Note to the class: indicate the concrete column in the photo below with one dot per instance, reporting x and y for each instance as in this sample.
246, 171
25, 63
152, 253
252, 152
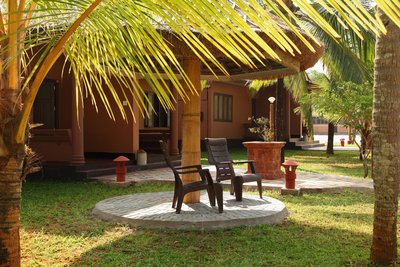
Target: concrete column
191, 125
173, 144
78, 156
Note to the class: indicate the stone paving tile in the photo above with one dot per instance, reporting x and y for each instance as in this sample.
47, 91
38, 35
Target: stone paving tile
153, 210
306, 181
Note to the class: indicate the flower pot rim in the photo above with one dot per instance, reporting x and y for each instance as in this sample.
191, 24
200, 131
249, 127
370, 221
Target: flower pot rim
264, 142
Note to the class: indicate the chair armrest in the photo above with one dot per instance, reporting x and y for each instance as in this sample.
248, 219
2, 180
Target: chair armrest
250, 162
184, 169
206, 175
242, 161
198, 166
225, 162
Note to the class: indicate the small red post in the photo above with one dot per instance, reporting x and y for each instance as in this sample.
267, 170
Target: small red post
342, 141
290, 173
120, 168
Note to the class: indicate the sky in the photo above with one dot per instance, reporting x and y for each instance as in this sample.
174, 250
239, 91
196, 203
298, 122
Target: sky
318, 67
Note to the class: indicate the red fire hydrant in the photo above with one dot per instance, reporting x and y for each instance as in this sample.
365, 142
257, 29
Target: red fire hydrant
290, 173
120, 168
342, 141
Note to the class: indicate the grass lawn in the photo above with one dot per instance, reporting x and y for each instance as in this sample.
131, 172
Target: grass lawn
58, 230
341, 163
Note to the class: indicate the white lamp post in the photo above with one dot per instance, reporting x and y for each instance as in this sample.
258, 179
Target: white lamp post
271, 100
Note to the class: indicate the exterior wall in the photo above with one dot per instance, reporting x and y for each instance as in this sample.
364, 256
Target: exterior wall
263, 109
323, 129
55, 145
241, 111
104, 135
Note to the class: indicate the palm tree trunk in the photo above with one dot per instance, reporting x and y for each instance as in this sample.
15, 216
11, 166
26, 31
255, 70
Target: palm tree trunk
331, 134
386, 153
10, 199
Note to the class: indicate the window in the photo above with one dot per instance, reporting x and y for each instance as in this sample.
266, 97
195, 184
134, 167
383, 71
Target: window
158, 116
223, 107
45, 106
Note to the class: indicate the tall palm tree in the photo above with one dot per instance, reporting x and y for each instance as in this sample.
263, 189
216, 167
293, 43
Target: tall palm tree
386, 145
103, 38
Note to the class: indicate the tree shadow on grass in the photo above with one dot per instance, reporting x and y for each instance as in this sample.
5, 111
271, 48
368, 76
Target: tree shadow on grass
290, 244
64, 208
344, 198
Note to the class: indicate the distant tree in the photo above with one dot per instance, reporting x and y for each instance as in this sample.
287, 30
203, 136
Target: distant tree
346, 103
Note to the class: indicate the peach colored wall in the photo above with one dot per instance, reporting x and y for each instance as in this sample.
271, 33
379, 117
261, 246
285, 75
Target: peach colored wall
52, 145
203, 129
323, 129
46, 142
262, 103
263, 106
102, 134
241, 111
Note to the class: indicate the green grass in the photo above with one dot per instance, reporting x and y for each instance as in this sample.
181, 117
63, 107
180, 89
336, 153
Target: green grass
341, 163
58, 229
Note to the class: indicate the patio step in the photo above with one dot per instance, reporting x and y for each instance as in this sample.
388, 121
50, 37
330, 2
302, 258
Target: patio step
298, 143
312, 145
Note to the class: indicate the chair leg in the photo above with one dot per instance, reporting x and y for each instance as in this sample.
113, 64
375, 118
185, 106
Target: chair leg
259, 184
232, 189
211, 195
180, 201
175, 198
219, 195
238, 185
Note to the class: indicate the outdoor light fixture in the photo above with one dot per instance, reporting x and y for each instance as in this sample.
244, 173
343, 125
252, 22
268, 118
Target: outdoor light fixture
271, 99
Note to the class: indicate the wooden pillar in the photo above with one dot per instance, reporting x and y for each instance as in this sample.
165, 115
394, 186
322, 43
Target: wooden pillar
280, 123
191, 125
288, 114
173, 145
78, 156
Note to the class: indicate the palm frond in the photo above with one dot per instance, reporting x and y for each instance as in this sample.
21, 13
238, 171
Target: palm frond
298, 85
346, 57
256, 85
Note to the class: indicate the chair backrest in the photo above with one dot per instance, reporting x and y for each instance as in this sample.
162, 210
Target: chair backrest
217, 151
164, 150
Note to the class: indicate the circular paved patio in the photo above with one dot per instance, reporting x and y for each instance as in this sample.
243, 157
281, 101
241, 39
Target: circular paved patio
153, 210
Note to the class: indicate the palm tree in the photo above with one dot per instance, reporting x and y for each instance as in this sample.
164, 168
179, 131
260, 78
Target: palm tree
34, 34
386, 145
98, 47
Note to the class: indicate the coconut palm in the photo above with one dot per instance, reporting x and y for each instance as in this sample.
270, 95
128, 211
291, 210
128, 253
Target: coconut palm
386, 145
35, 33
101, 39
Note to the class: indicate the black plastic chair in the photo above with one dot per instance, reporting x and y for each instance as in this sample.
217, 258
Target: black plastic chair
218, 155
214, 190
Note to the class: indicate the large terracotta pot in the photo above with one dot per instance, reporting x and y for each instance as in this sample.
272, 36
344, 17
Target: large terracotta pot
267, 157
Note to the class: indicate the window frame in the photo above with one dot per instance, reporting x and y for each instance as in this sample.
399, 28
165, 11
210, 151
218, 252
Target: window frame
223, 107
149, 122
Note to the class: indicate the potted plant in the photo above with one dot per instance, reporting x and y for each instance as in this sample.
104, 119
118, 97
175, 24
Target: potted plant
267, 153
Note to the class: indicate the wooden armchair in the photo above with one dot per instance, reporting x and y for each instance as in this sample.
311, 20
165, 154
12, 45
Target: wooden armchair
218, 155
214, 190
